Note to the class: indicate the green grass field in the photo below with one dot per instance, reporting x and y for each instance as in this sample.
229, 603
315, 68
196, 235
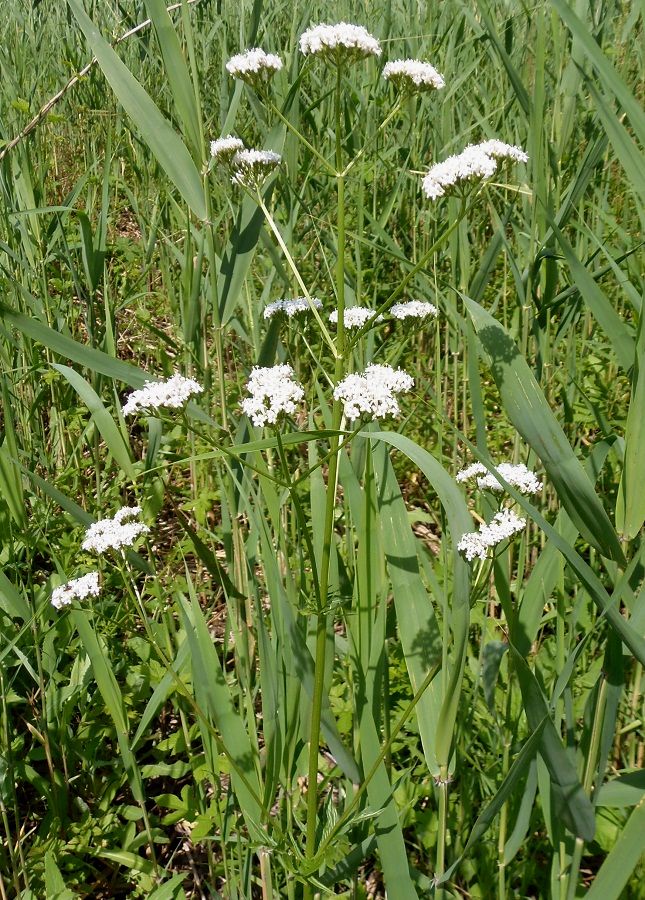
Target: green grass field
285, 674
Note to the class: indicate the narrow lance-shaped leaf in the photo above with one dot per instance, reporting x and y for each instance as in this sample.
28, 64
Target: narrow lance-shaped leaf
164, 142
530, 413
630, 506
176, 70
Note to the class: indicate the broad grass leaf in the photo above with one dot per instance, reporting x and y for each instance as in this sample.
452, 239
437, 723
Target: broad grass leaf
214, 697
11, 488
609, 77
102, 418
623, 858
610, 321
517, 771
630, 157
572, 804
164, 142
111, 694
530, 413
402, 563
630, 504
389, 836
12, 601
626, 790
176, 70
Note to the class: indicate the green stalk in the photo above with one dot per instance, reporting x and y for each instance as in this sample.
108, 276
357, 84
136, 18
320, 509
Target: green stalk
587, 782
323, 601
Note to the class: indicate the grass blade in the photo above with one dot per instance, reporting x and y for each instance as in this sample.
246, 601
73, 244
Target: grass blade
529, 412
165, 144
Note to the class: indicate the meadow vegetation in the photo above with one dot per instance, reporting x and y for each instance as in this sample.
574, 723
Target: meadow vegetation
309, 655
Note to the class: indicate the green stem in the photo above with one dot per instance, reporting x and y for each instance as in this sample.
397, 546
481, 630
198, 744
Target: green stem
442, 829
328, 533
587, 782
296, 273
383, 754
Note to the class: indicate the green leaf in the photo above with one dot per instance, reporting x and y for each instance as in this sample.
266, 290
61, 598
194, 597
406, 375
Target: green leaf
529, 412
630, 505
572, 804
111, 694
601, 308
626, 790
103, 420
11, 601
622, 860
54, 884
176, 71
166, 145
487, 816
610, 78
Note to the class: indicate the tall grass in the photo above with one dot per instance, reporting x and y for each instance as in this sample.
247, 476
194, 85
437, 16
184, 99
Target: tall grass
297, 685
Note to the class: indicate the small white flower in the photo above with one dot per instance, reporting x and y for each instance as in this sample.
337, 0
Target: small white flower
291, 307
373, 391
500, 150
76, 589
173, 392
339, 41
273, 390
475, 161
254, 66
224, 149
115, 533
415, 309
518, 476
253, 166
413, 75
354, 316
503, 525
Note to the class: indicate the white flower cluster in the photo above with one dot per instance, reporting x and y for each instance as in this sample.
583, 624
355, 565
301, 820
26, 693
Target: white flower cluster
273, 390
415, 309
224, 149
173, 392
251, 167
354, 316
475, 161
115, 533
373, 391
76, 589
519, 476
291, 307
254, 66
503, 525
341, 40
413, 75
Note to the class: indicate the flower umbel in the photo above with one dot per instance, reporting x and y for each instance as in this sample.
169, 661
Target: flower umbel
475, 161
115, 533
373, 391
291, 307
413, 75
253, 166
339, 42
354, 316
518, 476
503, 525
224, 149
173, 392
76, 589
413, 309
254, 66
273, 390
